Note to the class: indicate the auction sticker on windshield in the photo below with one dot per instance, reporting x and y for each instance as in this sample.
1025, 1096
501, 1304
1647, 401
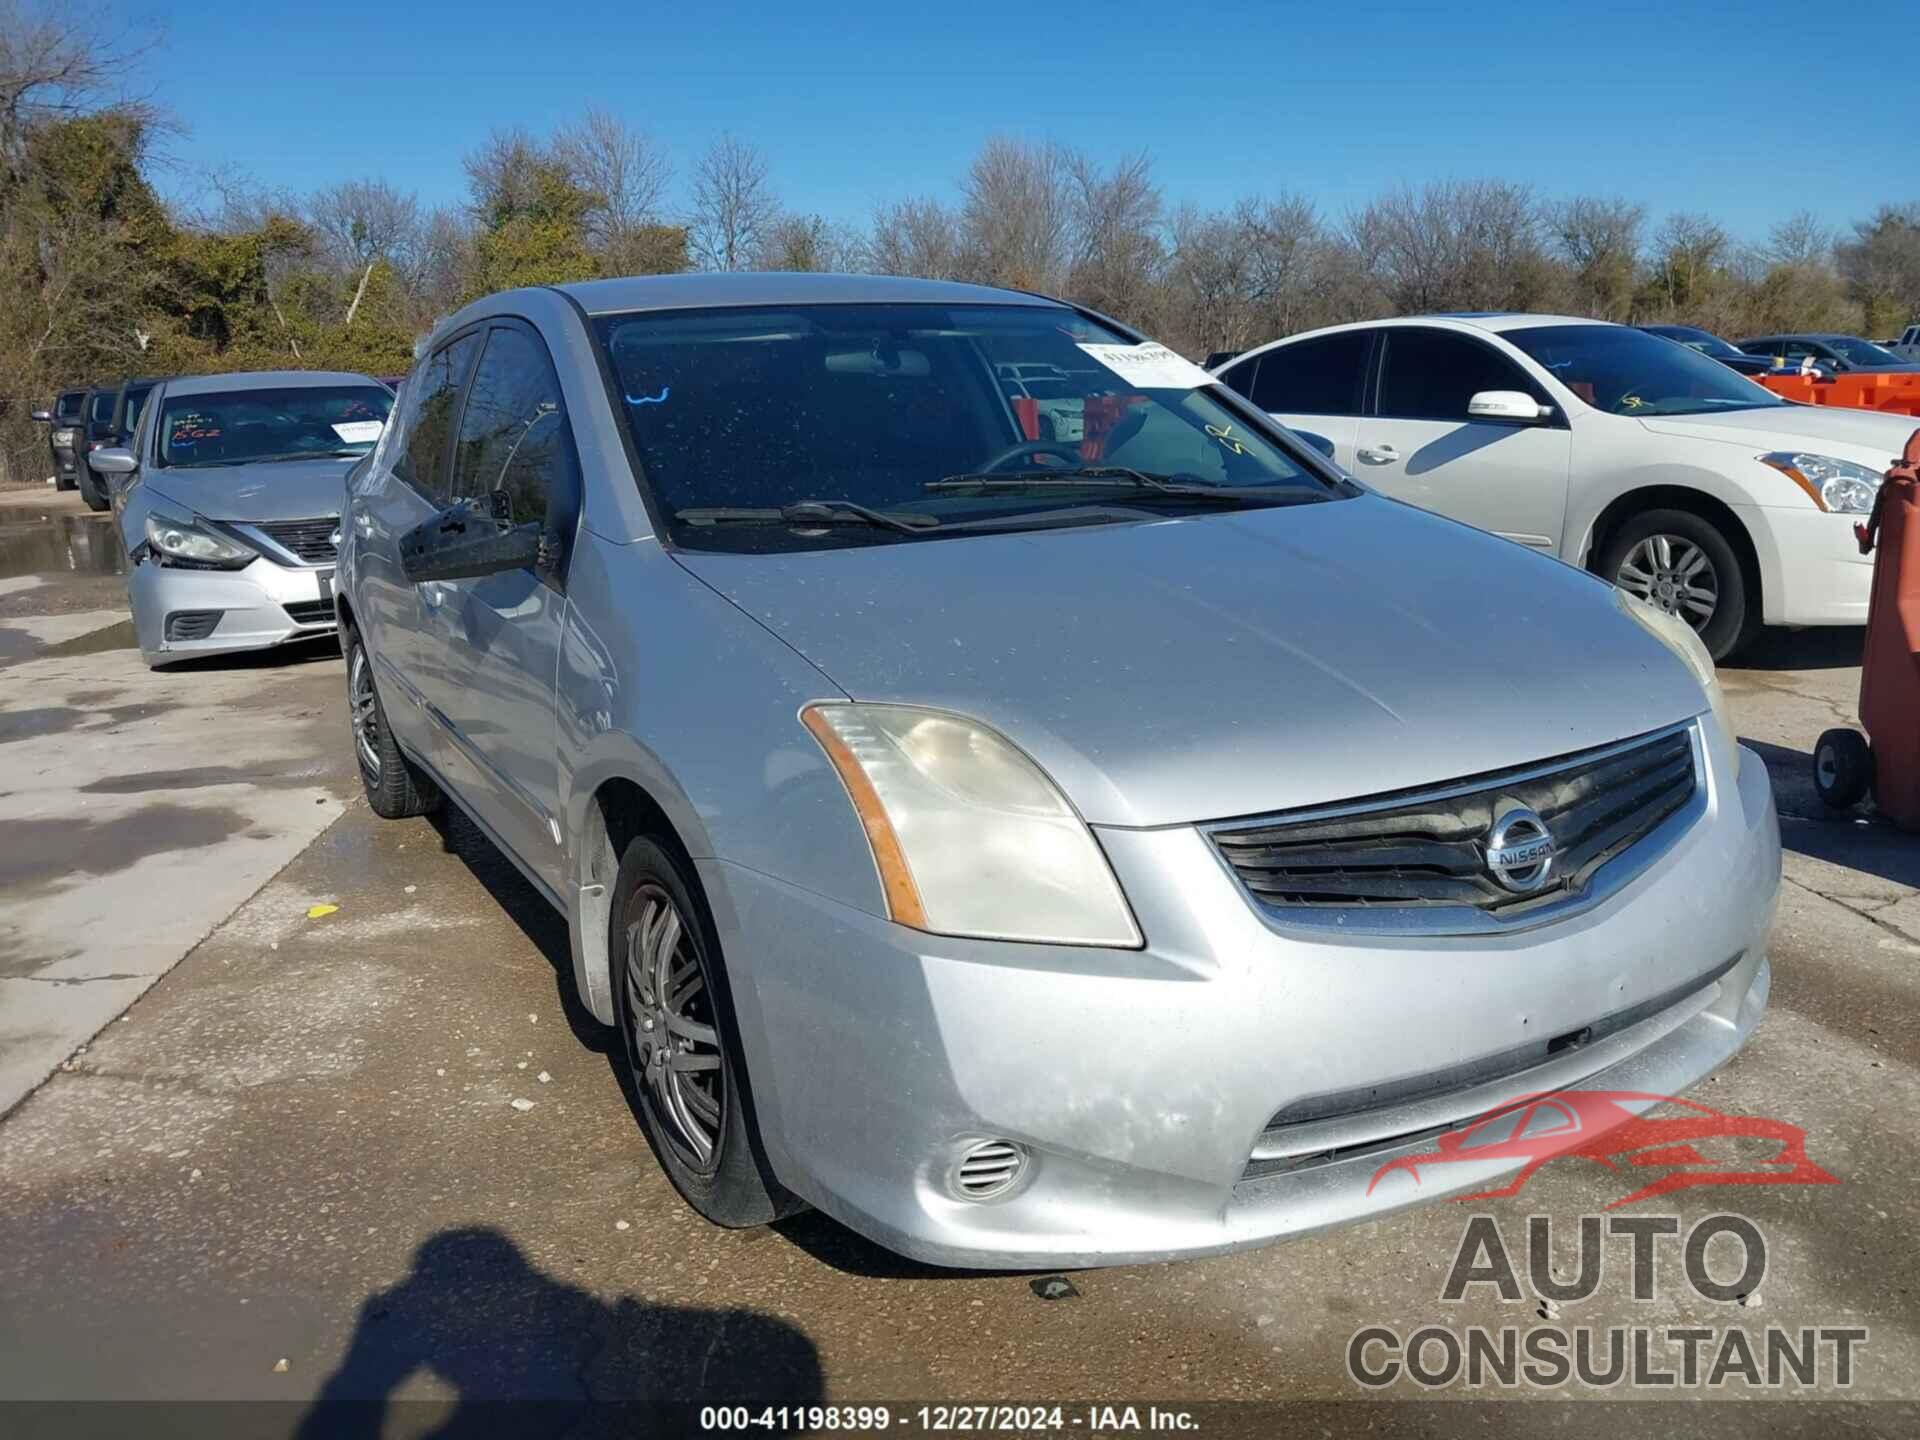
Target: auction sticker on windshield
1150, 366
358, 432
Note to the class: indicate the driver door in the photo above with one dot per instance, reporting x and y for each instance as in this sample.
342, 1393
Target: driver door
499, 635
1421, 446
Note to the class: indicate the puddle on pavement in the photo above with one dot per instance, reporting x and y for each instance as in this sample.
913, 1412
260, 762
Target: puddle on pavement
61, 545
107, 637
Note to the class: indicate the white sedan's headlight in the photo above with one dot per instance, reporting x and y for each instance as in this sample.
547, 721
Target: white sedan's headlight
1837, 485
184, 540
970, 836
1674, 633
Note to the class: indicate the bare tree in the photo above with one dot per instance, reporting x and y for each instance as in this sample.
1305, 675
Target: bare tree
59, 59
733, 205
1018, 214
1690, 251
1801, 239
360, 221
1284, 243
915, 237
1881, 265
628, 175
1115, 218
809, 242
1455, 245
504, 174
1600, 238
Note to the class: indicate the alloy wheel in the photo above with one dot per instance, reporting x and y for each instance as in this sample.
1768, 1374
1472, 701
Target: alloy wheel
364, 712
1674, 574
672, 1036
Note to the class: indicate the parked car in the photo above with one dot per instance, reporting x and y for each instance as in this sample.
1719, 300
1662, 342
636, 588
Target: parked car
1027, 858
1649, 464
62, 419
96, 433
1707, 343
1907, 347
230, 508
1844, 354
127, 400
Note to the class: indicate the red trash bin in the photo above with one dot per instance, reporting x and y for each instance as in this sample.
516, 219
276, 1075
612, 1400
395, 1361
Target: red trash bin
1887, 760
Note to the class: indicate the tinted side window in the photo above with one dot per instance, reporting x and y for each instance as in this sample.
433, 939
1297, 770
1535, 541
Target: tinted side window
514, 438
1315, 377
437, 386
1432, 374
1240, 377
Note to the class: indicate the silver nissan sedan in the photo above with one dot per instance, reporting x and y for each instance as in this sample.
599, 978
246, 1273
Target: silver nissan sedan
1036, 829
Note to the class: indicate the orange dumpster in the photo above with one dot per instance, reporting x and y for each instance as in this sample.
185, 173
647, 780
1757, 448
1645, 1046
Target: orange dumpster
1887, 760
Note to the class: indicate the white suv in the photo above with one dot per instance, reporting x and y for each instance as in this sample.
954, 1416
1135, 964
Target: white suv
1623, 452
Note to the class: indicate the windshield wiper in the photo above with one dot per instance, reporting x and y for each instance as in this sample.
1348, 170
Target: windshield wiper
1120, 477
808, 513
267, 459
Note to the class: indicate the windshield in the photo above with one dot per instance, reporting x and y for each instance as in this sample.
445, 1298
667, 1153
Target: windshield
234, 427
1862, 352
1628, 372
1018, 409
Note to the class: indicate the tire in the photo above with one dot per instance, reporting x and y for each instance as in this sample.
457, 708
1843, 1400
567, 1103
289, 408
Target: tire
1842, 769
91, 489
699, 1121
1682, 562
396, 788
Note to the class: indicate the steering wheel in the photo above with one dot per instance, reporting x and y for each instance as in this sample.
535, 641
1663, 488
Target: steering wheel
1027, 449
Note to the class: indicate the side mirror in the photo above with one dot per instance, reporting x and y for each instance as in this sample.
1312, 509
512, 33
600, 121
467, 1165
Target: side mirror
1318, 442
45, 417
113, 460
1506, 405
466, 541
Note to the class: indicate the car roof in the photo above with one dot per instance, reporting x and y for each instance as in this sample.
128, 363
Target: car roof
700, 291
1491, 322
264, 380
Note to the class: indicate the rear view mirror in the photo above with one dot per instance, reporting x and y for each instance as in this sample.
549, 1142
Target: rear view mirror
113, 460
1506, 405
466, 541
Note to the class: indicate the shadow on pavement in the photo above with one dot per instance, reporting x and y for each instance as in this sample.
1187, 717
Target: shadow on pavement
544, 926
527, 1354
1830, 647
1856, 839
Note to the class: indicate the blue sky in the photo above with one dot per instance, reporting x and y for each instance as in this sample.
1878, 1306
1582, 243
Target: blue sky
1742, 110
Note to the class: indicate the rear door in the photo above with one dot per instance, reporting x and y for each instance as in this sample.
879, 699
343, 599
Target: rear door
500, 634
1421, 446
404, 486
1311, 386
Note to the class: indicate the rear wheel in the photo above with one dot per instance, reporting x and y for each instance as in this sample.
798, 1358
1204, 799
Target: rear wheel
395, 787
1680, 562
682, 1046
1842, 768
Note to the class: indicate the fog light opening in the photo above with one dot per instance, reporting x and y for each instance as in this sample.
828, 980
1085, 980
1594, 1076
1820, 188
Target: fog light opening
986, 1170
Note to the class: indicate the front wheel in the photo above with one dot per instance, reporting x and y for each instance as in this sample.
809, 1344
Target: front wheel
1842, 768
682, 1046
92, 489
1681, 563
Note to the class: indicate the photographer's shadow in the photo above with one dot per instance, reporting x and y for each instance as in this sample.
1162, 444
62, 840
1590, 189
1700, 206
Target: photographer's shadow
527, 1354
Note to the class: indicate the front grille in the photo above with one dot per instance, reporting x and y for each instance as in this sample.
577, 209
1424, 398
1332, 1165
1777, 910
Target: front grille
192, 624
311, 540
310, 612
1409, 851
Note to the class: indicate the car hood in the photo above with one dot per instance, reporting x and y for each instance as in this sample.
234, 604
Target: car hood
1226, 665
1864, 436
287, 490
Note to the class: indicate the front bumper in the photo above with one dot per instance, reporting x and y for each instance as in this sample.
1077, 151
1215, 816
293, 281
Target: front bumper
1811, 568
1144, 1083
251, 603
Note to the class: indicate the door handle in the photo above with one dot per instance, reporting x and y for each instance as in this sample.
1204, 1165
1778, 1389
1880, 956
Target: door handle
1377, 454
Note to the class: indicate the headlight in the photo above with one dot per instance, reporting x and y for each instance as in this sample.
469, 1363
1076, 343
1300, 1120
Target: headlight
63, 436
185, 540
970, 837
1837, 485
1674, 633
